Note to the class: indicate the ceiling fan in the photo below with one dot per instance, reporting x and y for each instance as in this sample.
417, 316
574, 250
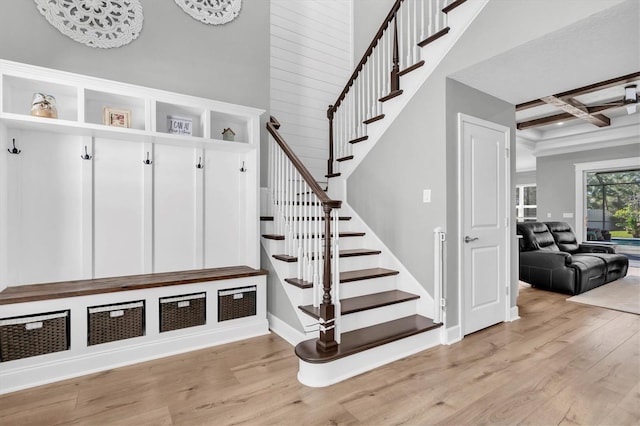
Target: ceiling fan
630, 100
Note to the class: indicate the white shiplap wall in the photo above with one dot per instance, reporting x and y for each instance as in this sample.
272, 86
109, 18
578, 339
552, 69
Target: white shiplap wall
311, 60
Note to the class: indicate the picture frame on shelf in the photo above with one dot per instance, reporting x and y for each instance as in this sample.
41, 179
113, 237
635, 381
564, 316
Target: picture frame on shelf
179, 125
116, 117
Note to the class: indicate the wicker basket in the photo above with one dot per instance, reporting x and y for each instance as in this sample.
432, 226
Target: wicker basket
120, 321
236, 303
182, 311
22, 337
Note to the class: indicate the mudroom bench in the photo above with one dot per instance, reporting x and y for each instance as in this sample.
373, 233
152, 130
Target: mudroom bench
55, 331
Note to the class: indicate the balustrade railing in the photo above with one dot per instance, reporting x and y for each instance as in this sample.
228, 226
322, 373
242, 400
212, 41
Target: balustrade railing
395, 49
308, 219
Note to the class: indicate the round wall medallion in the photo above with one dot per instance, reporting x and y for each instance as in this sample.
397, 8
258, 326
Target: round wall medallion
214, 12
96, 23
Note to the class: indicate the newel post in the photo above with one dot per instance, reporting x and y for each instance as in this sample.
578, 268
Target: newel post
330, 113
395, 70
327, 341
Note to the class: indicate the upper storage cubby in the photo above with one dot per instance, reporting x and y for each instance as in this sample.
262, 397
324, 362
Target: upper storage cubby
18, 94
90, 106
99, 107
229, 127
180, 119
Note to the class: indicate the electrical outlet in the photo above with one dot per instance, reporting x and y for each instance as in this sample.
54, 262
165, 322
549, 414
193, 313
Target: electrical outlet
426, 196
548, 215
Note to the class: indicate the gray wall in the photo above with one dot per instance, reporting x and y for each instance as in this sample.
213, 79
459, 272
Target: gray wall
412, 155
523, 178
173, 52
467, 100
367, 18
556, 180
278, 303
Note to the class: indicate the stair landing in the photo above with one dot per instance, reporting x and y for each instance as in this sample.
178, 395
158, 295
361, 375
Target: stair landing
366, 338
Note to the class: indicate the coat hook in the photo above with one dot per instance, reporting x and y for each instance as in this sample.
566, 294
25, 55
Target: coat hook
86, 155
243, 168
147, 161
14, 150
199, 165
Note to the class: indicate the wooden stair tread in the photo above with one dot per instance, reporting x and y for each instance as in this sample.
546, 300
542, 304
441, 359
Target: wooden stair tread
280, 237
58, 290
363, 303
365, 274
347, 158
299, 282
270, 218
273, 237
411, 68
343, 253
452, 6
360, 139
362, 339
434, 37
391, 95
373, 119
332, 175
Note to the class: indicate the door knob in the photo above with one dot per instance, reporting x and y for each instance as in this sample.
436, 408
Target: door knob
468, 239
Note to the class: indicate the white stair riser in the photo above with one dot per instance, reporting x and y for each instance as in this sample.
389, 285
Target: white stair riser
363, 287
325, 374
359, 262
377, 316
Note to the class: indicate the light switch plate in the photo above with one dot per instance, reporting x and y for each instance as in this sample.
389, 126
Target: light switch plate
426, 196
567, 215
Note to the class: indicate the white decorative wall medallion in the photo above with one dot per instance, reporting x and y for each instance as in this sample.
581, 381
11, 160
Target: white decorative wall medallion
96, 23
214, 12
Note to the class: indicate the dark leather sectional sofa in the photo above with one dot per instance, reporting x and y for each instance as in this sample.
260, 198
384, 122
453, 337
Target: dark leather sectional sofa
551, 259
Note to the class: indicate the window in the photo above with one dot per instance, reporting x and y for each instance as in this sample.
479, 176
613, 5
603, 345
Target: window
613, 204
526, 208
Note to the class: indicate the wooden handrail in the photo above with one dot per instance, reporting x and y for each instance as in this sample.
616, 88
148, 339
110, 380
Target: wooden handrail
367, 53
272, 128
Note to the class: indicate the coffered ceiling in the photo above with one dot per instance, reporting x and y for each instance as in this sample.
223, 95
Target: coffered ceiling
603, 47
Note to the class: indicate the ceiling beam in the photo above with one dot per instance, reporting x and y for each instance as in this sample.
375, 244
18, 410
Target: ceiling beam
584, 90
565, 116
577, 109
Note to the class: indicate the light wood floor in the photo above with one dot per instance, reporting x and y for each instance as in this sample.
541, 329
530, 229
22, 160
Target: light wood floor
562, 363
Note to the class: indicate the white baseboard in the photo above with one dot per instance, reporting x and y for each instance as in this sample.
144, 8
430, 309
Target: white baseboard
14, 379
326, 374
513, 314
451, 335
284, 330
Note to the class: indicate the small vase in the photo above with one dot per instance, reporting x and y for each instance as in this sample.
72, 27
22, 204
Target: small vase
44, 106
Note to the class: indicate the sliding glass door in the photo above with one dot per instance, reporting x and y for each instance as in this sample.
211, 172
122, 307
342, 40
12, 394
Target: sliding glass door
613, 209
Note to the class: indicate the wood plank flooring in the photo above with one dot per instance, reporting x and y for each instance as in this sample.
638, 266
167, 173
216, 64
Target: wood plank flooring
561, 364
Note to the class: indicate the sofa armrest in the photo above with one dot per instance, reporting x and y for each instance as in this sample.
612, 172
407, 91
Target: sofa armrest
545, 259
595, 248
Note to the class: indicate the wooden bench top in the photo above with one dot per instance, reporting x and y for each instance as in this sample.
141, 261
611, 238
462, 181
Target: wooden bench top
58, 290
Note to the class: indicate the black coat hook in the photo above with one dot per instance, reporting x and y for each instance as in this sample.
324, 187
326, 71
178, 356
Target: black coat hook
243, 168
86, 155
14, 150
147, 161
199, 165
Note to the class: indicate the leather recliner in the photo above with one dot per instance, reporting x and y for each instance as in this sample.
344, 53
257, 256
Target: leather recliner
551, 259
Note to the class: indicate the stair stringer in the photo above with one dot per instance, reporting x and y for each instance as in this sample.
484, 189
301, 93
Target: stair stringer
404, 281
433, 53
297, 296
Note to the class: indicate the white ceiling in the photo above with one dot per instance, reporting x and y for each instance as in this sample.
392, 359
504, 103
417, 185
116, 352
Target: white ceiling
604, 46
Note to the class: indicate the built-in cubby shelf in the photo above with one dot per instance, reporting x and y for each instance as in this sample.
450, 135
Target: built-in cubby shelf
81, 100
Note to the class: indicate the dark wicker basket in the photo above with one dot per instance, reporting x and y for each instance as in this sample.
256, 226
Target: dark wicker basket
182, 311
236, 303
23, 337
119, 321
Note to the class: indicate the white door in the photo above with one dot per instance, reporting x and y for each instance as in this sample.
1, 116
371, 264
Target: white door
484, 228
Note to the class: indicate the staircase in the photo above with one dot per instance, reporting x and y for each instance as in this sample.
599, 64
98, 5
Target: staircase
359, 307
